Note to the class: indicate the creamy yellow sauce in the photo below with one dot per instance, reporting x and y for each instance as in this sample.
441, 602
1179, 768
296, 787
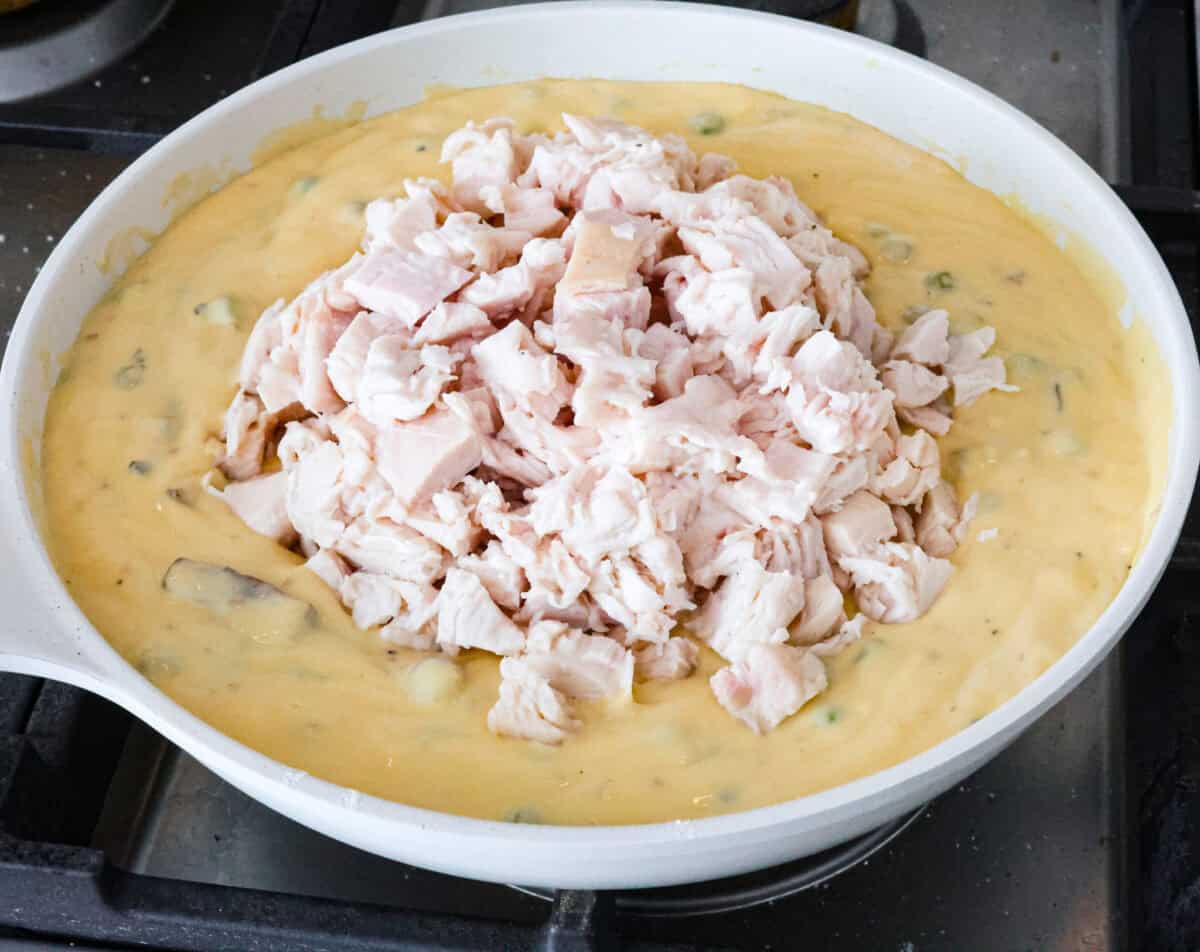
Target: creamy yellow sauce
1062, 467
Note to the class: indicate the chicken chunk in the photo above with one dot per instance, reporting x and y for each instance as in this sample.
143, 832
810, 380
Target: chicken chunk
915, 470
468, 618
770, 683
752, 606
824, 610
913, 384
529, 708
863, 521
940, 527
261, 503
897, 581
405, 285
926, 341
577, 664
481, 156
836, 402
524, 209
247, 427
603, 258
970, 373
329, 567
521, 285
671, 660
428, 454
383, 546
499, 574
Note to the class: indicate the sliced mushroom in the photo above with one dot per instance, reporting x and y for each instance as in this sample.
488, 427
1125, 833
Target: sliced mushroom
224, 591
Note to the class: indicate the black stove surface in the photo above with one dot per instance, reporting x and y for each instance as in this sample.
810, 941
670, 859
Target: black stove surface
1084, 835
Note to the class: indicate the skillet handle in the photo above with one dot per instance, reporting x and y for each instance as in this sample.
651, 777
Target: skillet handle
42, 632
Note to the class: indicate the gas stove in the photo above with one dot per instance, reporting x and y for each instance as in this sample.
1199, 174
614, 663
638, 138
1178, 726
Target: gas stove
1084, 834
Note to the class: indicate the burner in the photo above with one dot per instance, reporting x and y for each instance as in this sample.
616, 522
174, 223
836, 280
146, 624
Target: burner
52, 44
751, 889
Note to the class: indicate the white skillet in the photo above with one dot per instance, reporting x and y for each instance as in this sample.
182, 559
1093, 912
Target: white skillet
44, 633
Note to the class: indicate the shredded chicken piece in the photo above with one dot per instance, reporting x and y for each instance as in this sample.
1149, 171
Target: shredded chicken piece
771, 682
593, 390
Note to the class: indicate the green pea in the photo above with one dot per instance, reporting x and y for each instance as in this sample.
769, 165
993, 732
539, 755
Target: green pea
1065, 443
940, 281
1026, 364
899, 250
707, 123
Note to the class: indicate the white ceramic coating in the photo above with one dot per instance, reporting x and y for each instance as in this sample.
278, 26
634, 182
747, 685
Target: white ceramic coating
44, 633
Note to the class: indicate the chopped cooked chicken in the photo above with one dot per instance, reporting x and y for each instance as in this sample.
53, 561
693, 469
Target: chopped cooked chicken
422, 456
669, 660
603, 258
261, 503
405, 285
926, 340
915, 470
914, 385
470, 243
451, 321
752, 606
329, 567
247, 427
529, 708
524, 209
468, 618
498, 573
396, 223
375, 599
591, 391
940, 526
836, 400
380, 545
516, 287
824, 609
577, 664
896, 581
769, 683
482, 156
971, 374
863, 521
